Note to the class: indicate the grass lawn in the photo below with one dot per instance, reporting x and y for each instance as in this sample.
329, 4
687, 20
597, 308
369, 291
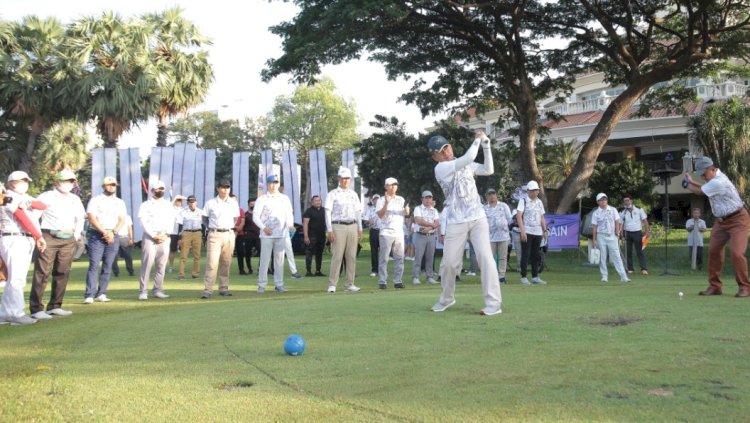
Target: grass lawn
574, 350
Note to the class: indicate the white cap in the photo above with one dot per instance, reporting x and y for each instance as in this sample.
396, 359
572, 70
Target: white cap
600, 196
532, 185
426, 194
391, 181
344, 172
158, 184
18, 175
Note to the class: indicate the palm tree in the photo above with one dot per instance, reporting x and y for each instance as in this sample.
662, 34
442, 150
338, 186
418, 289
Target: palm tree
116, 83
183, 74
64, 145
29, 86
558, 163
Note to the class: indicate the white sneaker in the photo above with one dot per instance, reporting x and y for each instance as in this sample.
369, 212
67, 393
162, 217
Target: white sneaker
604, 280
470, 273
41, 315
159, 294
538, 281
332, 289
59, 312
432, 281
88, 300
22, 320
409, 258
373, 275
170, 270
415, 281
103, 298
626, 280
352, 288
525, 281
490, 311
438, 307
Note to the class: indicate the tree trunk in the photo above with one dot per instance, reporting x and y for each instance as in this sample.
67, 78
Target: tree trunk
584, 166
28, 155
527, 133
162, 130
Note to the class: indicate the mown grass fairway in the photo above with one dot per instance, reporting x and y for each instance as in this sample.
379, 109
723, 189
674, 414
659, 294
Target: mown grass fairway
575, 350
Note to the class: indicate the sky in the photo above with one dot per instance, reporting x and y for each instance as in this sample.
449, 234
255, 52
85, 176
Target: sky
241, 46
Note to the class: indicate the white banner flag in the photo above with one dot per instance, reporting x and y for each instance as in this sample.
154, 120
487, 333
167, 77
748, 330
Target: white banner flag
161, 168
265, 170
241, 177
292, 182
103, 163
318, 178
205, 175
131, 189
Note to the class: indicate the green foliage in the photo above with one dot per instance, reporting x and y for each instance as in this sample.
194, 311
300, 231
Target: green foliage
556, 160
723, 131
314, 116
625, 177
61, 146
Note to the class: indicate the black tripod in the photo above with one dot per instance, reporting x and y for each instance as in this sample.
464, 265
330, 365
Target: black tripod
665, 176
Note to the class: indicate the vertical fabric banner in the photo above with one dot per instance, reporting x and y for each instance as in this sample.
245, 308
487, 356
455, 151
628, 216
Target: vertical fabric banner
347, 160
183, 167
292, 182
241, 177
564, 230
103, 163
265, 170
130, 187
160, 169
205, 175
318, 178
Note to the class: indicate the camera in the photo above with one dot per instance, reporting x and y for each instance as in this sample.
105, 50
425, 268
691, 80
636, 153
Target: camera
685, 182
7, 200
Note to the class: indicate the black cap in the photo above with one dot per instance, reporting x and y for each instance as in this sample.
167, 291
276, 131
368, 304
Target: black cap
224, 183
191, 198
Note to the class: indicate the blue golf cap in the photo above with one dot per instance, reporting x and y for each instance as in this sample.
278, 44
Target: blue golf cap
272, 178
437, 143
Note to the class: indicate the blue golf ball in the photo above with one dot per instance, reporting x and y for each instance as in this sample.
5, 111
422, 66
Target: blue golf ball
294, 344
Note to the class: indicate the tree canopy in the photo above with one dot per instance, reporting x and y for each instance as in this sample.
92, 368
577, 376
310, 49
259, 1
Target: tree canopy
495, 54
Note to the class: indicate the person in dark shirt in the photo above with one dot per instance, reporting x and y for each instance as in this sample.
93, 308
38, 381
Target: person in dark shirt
252, 237
314, 229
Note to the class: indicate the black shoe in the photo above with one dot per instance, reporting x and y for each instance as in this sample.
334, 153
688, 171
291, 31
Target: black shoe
503, 281
205, 296
250, 272
195, 276
309, 274
382, 286
130, 273
225, 293
296, 276
399, 286
242, 272
318, 273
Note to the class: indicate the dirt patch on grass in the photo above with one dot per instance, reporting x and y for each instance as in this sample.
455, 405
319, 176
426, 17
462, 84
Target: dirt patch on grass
659, 392
235, 385
614, 321
616, 395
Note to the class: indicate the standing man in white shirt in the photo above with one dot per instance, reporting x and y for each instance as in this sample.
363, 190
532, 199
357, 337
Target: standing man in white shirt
634, 220
695, 227
731, 225
464, 219
391, 209
106, 215
498, 217
157, 217
373, 223
274, 216
606, 228
533, 228
344, 228
19, 234
427, 220
220, 214
62, 222
191, 238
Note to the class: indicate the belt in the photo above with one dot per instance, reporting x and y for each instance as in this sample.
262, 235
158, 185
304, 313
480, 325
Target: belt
428, 234
14, 234
193, 230
341, 222
730, 215
219, 230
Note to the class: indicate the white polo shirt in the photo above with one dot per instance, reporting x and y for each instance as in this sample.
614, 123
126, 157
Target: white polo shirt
605, 219
274, 211
221, 214
343, 206
632, 219
392, 224
429, 214
157, 217
107, 210
64, 212
498, 217
722, 195
533, 213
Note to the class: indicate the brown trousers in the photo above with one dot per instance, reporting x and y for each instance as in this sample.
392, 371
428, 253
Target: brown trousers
55, 261
734, 231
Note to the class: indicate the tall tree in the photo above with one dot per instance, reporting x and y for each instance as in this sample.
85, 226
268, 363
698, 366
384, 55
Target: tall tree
314, 116
29, 84
183, 73
115, 82
64, 145
723, 131
490, 54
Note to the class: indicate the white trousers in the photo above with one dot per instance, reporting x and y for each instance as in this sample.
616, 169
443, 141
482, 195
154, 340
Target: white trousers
456, 235
153, 254
289, 255
16, 252
608, 246
269, 247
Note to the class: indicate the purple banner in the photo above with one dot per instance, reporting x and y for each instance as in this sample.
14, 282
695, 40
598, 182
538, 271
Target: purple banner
563, 230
